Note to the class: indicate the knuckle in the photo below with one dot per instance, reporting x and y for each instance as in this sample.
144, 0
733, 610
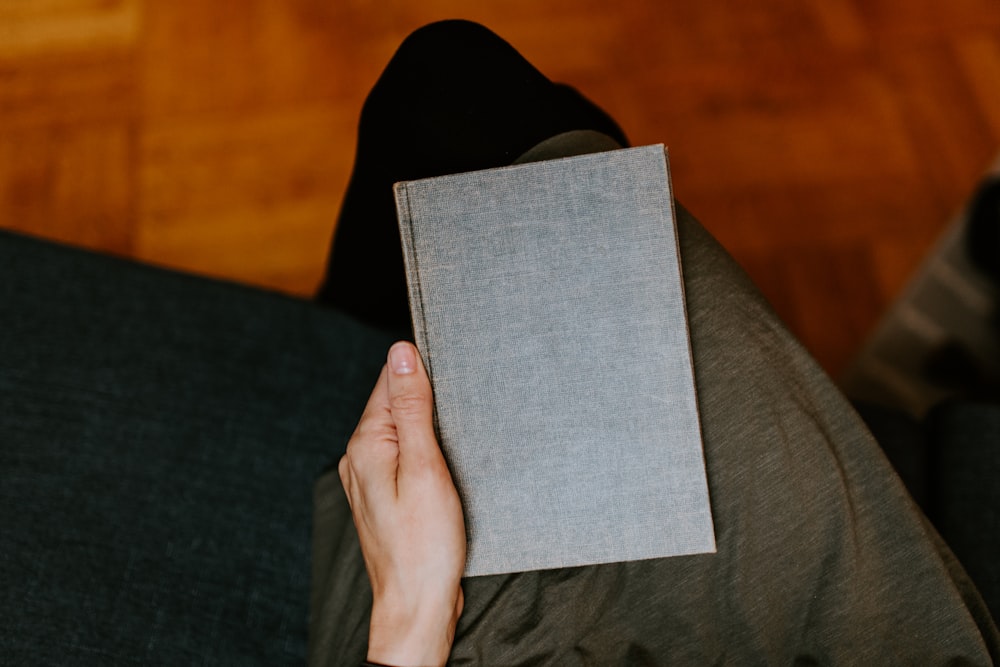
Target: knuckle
409, 403
344, 470
346, 478
432, 470
369, 430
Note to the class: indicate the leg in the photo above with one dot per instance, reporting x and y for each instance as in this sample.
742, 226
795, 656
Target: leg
454, 97
822, 556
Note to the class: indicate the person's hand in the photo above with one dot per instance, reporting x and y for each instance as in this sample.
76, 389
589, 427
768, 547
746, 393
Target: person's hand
408, 516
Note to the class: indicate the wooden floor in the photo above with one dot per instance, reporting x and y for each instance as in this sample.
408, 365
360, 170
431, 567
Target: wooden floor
825, 142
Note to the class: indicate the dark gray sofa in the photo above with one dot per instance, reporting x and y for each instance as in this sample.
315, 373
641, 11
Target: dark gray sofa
159, 439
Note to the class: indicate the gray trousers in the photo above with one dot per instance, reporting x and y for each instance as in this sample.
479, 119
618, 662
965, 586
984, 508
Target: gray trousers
823, 558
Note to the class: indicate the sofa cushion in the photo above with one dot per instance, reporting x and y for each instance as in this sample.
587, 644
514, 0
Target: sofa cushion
159, 439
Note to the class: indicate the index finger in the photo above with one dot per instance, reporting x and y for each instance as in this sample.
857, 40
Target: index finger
372, 456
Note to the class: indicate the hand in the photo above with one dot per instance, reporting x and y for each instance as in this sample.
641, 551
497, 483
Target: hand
408, 516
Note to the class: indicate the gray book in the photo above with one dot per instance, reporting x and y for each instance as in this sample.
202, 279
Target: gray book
548, 307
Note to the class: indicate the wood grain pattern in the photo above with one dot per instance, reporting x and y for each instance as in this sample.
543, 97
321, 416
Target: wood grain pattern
826, 143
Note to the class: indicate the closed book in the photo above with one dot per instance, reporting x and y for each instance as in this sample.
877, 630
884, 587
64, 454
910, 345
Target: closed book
548, 307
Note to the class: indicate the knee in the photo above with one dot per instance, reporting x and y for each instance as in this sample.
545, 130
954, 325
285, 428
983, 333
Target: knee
450, 65
448, 44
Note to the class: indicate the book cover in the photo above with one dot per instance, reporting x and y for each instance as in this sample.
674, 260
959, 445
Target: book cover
549, 309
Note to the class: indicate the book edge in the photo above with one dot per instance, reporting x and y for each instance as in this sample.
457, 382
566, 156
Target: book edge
526, 165
690, 352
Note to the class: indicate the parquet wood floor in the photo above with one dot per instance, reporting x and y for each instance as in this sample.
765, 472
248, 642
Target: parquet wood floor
826, 143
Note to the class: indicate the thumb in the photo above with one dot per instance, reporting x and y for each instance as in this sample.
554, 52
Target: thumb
411, 404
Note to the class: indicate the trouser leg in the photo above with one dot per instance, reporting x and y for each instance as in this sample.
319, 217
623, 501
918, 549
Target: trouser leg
455, 97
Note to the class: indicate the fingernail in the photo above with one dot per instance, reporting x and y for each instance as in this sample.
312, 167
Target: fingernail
402, 359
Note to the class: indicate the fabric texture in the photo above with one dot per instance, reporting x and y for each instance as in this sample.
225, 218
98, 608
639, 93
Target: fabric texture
159, 438
566, 442
823, 558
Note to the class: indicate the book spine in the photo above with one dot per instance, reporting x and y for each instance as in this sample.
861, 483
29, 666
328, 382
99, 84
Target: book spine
414, 286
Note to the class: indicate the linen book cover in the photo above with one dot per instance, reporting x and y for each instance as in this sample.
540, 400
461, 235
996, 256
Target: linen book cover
549, 310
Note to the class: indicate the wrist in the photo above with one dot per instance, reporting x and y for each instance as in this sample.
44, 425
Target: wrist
413, 638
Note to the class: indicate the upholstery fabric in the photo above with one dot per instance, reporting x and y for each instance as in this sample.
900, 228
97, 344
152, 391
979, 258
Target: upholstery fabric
159, 439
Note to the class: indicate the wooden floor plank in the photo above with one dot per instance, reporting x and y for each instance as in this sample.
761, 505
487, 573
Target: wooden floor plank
71, 184
32, 27
252, 198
